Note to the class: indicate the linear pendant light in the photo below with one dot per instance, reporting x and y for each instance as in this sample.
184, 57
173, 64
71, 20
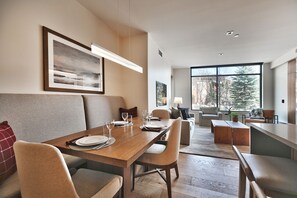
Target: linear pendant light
100, 51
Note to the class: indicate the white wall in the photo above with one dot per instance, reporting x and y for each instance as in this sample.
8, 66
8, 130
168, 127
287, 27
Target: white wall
268, 87
281, 92
21, 61
182, 86
21, 67
135, 48
158, 70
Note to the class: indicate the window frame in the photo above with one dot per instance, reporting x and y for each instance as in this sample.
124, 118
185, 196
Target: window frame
217, 75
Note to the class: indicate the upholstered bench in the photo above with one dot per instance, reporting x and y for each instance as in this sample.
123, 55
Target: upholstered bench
41, 117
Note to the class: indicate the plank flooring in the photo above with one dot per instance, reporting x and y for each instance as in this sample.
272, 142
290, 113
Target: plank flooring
200, 177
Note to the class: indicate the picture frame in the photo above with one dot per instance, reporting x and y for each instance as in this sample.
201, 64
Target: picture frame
70, 66
161, 94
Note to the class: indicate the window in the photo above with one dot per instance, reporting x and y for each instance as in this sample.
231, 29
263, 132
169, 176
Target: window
237, 86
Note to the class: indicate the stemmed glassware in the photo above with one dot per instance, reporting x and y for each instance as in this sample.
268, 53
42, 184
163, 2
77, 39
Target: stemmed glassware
125, 116
109, 126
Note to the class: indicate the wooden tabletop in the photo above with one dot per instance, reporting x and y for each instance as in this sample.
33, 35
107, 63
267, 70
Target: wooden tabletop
285, 133
131, 143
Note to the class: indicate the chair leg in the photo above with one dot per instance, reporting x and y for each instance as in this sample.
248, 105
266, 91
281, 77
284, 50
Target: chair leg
168, 182
176, 171
242, 183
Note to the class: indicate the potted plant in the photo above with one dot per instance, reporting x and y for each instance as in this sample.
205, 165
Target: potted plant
234, 116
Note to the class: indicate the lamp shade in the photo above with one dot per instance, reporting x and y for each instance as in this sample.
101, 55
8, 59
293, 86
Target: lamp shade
178, 100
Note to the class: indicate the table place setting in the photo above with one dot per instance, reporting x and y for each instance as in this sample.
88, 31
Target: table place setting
152, 127
92, 142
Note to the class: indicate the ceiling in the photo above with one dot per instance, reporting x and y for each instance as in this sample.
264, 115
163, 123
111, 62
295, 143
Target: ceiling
193, 32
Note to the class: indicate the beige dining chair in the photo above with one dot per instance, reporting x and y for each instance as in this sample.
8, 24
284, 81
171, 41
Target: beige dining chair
162, 157
276, 176
43, 173
257, 191
161, 113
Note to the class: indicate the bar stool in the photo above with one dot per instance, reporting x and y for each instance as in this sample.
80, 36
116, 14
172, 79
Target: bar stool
276, 176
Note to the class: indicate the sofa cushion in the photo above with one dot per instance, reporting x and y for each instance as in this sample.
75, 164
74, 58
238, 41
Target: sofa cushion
7, 158
209, 110
175, 113
184, 112
132, 111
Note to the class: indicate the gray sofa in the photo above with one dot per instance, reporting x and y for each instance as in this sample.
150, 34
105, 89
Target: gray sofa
187, 124
206, 114
37, 118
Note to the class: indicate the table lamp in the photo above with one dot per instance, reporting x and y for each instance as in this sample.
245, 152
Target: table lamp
178, 101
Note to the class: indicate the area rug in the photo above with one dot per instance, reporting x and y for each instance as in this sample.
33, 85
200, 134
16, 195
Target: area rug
202, 143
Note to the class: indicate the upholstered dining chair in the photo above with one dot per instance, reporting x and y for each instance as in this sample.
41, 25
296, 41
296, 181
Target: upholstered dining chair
161, 113
162, 157
257, 191
276, 176
43, 172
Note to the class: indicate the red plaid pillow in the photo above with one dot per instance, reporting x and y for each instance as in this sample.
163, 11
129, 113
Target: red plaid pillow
7, 158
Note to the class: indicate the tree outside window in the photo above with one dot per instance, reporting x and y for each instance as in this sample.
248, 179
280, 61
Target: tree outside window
236, 86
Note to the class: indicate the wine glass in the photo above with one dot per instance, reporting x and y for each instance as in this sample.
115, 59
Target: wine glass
125, 116
109, 126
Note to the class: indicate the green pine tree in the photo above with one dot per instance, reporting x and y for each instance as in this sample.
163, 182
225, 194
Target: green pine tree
243, 89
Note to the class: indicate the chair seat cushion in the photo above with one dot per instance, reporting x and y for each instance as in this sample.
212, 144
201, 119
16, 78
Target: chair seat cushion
74, 162
156, 149
11, 187
274, 173
210, 116
88, 182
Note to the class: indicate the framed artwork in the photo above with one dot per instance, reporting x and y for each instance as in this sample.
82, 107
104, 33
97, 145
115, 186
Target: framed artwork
161, 94
70, 66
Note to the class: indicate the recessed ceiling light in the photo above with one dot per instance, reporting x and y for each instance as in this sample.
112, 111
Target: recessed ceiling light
221, 54
236, 35
230, 32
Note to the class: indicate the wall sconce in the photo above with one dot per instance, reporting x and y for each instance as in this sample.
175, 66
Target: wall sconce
178, 101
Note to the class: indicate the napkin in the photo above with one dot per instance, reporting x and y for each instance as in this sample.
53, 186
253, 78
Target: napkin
73, 141
154, 129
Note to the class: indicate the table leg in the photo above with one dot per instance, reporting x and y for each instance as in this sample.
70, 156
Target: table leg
126, 190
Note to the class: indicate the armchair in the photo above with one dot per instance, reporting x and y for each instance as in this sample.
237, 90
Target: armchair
260, 116
206, 114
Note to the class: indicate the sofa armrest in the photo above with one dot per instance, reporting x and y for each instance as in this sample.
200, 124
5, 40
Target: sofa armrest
191, 115
200, 113
220, 114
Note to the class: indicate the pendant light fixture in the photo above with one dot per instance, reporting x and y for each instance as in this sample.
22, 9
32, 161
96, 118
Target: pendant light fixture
100, 51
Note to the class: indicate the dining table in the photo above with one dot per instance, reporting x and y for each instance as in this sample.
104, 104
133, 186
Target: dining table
131, 141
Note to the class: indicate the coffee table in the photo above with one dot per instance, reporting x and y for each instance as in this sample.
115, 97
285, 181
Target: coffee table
228, 132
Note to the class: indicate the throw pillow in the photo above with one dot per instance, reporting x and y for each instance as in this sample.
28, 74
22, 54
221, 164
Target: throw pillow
7, 158
256, 113
185, 113
175, 113
132, 111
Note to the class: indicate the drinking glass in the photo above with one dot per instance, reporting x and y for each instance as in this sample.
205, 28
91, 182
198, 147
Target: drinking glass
109, 126
125, 116
144, 116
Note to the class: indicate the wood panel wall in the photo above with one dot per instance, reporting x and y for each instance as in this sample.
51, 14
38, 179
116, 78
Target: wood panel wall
292, 91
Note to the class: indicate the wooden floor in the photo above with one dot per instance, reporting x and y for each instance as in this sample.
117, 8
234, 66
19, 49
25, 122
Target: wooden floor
200, 176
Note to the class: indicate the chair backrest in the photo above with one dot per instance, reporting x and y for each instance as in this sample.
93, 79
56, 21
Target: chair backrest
42, 171
268, 113
172, 149
161, 113
257, 191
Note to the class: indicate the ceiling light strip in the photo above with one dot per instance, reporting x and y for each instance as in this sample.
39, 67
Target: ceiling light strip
100, 51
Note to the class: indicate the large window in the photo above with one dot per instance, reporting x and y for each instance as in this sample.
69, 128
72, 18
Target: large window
236, 86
